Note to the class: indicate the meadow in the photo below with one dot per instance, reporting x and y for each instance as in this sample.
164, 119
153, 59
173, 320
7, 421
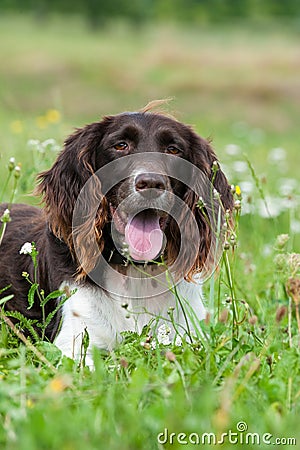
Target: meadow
238, 85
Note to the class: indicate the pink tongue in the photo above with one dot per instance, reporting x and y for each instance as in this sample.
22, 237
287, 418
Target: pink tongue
144, 237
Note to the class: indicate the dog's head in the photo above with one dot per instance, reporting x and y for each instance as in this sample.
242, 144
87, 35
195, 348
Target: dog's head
145, 174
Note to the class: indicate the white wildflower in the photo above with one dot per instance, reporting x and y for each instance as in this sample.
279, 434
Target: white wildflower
267, 250
277, 155
287, 186
153, 344
178, 341
164, 329
201, 202
26, 249
247, 187
50, 144
17, 172
33, 142
240, 166
146, 345
5, 216
295, 226
275, 206
11, 164
163, 335
232, 149
216, 194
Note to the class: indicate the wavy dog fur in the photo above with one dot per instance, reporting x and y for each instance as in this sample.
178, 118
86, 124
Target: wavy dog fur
85, 151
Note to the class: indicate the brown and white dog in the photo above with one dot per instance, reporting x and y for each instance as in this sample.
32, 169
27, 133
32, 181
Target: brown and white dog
141, 173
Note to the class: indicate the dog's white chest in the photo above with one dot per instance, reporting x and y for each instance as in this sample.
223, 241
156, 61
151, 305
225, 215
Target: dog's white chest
104, 316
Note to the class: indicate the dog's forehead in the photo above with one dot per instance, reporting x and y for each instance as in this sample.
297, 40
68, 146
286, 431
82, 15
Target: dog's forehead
146, 121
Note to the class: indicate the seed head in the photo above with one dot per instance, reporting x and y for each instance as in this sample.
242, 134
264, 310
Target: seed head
293, 289
226, 245
280, 262
17, 173
11, 164
223, 316
216, 194
253, 320
237, 205
5, 216
146, 345
200, 203
215, 167
170, 356
280, 313
124, 363
281, 241
227, 214
233, 240
294, 262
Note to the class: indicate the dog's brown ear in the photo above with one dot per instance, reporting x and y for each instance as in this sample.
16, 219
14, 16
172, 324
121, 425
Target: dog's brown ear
208, 208
192, 257
60, 186
204, 157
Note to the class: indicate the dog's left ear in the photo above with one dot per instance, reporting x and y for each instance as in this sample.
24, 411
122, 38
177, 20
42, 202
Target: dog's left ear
60, 186
204, 157
208, 211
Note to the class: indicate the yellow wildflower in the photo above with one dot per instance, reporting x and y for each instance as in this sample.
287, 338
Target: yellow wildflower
59, 384
29, 403
16, 126
238, 191
53, 116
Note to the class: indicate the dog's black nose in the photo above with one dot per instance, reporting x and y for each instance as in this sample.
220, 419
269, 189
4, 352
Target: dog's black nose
145, 181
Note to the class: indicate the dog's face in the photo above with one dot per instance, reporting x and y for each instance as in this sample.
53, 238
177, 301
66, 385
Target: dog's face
148, 158
139, 203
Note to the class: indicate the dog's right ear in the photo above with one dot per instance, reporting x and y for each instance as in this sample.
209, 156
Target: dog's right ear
61, 185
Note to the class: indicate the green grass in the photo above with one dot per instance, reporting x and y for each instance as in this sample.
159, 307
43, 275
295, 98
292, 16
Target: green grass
238, 85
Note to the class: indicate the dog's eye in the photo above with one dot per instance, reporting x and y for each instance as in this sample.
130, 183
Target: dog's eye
173, 150
121, 146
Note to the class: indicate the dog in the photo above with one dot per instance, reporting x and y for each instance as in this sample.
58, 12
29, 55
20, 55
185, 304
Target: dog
123, 208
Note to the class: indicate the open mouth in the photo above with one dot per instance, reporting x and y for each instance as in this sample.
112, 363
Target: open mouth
143, 232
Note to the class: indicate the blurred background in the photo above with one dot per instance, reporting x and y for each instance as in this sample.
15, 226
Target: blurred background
232, 68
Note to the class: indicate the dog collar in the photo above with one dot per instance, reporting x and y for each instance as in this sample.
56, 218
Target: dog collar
112, 255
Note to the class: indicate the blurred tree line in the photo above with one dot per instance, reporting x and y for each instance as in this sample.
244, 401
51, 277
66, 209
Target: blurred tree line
99, 12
